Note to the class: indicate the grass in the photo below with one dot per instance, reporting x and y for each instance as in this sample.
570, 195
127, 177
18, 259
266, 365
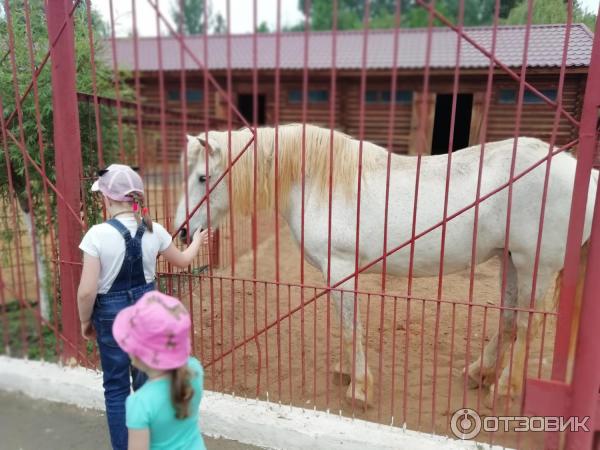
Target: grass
26, 339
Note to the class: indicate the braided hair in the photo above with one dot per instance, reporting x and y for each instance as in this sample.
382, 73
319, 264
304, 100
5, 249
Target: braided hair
140, 212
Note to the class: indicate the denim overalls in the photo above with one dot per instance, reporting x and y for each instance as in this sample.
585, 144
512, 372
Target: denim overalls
127, 288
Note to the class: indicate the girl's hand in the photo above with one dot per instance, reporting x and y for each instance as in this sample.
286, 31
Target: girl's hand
202, 236
186, 257
87, 330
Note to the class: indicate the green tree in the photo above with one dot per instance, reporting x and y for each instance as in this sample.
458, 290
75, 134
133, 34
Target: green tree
45, 217
476, 12
104, 85
350, 13
220, 25
263, 28
550, 11
382, 13
192, 19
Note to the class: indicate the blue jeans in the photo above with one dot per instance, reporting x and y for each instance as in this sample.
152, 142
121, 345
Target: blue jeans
118, 373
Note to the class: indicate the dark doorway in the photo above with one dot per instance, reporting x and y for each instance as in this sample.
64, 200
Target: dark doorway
441, 123
245, 105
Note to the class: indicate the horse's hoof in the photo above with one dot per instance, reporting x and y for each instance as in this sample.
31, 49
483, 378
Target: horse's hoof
489, 401
362, 394
478, 376
475, 379
472, 382
497, 397
340, 377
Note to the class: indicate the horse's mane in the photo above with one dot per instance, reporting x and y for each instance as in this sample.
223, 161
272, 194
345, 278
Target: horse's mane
290, 142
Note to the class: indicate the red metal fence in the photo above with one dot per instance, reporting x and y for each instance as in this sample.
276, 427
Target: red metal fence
340, 276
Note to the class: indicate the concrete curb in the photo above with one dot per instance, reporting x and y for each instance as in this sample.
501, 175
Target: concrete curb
253, 422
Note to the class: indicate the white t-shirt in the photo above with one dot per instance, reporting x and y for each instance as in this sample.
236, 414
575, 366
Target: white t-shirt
105, 242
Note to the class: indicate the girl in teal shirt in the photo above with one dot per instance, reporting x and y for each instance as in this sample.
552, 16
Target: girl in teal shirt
164, 413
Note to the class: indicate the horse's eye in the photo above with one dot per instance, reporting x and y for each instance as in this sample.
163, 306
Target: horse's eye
202, 179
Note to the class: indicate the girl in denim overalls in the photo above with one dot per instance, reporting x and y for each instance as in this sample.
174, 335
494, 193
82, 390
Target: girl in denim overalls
119, 265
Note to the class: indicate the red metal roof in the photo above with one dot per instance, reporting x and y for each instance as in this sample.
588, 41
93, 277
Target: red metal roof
545, 49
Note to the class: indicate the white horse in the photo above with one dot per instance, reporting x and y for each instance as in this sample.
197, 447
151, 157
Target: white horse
526, 200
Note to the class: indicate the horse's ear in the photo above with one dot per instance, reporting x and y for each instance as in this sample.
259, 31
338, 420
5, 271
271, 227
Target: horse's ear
211, 146
192, 152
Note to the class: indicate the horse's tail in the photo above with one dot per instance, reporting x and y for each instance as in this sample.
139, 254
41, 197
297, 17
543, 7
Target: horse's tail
583, 257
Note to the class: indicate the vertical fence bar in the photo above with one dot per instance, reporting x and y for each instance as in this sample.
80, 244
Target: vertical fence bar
585, 160
21, 144
68, 165
481, 139
332, 108
424, 110
586, 373
390, 143
455, 87
305, 93
356, 329
586, 370
532, 320
116, 81
276, 114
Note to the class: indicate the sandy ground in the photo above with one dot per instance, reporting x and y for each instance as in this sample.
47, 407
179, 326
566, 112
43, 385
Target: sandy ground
27, 424
416, 349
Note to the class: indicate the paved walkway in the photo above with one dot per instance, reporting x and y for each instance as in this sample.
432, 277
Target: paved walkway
27, 424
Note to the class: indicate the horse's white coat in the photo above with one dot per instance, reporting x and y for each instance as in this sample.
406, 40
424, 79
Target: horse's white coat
492, 215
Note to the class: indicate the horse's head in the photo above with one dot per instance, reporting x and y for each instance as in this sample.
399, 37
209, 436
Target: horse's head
200, 150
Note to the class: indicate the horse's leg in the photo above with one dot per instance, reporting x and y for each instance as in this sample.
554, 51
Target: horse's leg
482, 372
361, 384
510, 382
341, 369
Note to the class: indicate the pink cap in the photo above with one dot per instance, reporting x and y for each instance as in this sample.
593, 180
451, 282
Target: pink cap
118, 182
156, 330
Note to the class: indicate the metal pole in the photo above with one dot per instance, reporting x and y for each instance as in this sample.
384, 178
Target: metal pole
586, 369
585, 161
68, 166
586, 372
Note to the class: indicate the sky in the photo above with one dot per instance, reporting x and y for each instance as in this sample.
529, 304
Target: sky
241, 13
590, 5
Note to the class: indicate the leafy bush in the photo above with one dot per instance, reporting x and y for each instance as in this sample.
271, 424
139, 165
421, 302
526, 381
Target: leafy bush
16, 68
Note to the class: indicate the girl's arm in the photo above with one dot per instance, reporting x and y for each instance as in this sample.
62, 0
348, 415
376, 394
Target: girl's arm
86, 294
184, 258
139, 439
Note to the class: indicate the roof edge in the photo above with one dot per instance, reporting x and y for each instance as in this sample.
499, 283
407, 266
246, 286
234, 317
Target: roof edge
361, 31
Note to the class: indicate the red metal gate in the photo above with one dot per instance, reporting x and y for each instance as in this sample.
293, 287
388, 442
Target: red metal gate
264, 324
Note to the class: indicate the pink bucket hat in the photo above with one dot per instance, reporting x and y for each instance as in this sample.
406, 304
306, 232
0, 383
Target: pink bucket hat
156, 330
118, 182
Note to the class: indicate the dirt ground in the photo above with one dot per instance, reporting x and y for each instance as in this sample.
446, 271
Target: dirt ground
416, 349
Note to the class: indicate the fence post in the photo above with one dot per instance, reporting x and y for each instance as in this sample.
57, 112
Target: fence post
585, 160
68, 164
585, 382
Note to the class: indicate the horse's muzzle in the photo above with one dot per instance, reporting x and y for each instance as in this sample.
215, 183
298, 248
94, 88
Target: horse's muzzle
183, 234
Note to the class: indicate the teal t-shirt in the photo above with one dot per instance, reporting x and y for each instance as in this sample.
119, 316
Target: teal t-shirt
151, 407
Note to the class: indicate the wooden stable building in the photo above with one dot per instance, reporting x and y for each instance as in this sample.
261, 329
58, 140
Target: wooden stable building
543, 64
